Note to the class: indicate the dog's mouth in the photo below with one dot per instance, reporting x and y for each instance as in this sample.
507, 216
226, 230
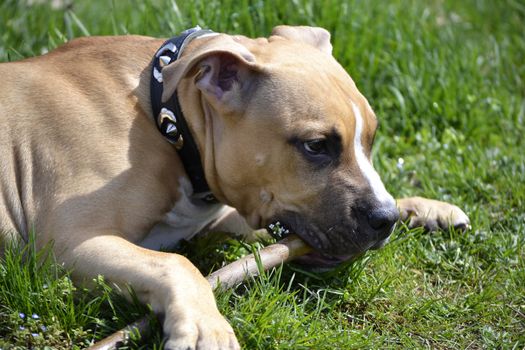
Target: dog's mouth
314, 260
318, 260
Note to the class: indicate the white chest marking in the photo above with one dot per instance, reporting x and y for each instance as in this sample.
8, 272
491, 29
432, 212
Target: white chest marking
184, 221
364, 164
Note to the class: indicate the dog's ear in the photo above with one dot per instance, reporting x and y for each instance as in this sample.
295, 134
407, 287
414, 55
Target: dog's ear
219, 64
314, 36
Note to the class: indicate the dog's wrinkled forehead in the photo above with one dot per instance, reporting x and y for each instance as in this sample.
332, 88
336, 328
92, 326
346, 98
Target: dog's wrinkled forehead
322, 99
316, 90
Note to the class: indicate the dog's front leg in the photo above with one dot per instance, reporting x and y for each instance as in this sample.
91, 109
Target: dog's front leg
168, 282
431, 214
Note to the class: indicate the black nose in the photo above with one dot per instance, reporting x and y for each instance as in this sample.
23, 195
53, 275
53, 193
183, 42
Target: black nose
382, 220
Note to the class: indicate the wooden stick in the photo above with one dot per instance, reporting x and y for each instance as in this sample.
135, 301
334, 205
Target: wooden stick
230, 275
121, 336
285, 250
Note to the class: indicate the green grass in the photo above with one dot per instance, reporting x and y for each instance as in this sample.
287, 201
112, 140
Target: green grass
446, 79
40, 306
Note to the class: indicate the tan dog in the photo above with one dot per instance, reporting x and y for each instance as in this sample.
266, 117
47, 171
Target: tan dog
283, 133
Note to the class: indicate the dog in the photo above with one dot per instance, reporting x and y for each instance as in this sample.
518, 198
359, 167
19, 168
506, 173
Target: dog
92, 159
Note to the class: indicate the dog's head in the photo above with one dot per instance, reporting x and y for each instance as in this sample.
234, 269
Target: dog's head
286, 136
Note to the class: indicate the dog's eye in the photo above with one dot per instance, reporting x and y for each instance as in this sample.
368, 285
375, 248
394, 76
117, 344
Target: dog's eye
321, 151
315, 147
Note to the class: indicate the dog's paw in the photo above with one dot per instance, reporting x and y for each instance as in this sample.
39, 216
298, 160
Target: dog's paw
201, 332
432, 214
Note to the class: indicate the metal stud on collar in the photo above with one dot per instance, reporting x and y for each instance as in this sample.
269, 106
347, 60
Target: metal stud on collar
179, 143
166, 115
164, 61
168, 125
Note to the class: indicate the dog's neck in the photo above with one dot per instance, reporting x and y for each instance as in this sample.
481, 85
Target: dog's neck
169, 117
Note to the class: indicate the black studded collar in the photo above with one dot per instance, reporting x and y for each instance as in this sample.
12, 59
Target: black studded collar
169, 118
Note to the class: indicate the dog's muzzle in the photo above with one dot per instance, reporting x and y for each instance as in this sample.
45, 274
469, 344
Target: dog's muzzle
340, 238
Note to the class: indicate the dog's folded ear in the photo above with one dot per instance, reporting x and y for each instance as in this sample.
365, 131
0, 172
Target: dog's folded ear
219, 65
314, 36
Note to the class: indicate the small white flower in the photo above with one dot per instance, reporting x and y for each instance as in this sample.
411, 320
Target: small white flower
400, 163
